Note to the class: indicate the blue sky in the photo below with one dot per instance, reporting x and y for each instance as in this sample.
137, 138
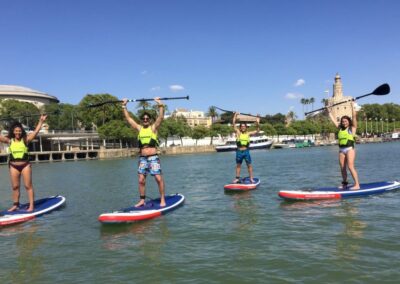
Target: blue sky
250, 56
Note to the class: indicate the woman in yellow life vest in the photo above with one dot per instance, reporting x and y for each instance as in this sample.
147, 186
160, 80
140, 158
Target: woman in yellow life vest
149, 162
19, 165
243, 143
347, 153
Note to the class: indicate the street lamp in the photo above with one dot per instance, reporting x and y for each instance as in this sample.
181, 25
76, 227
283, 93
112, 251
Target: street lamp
381, 125
376, 125
387, 125
370, 120
366, 126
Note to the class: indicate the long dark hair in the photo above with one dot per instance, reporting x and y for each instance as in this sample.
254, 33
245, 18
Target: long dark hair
14, 125
349, 120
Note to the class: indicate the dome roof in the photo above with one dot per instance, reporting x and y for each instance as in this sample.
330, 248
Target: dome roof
18, 91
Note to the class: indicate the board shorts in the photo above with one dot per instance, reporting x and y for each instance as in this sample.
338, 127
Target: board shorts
243, 155
149, 164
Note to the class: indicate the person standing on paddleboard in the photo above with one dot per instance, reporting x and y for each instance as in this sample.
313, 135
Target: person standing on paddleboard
347, 153
18, 163
243, 143
149, 162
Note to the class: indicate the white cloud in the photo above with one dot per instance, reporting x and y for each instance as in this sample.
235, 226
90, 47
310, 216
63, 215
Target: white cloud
144, 72
176, 88
299, 82
155, 89
293, 96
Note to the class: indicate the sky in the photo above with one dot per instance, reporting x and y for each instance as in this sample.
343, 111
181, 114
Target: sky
251, 56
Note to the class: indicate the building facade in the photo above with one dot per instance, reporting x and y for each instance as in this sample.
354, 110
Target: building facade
337, 97
193, 118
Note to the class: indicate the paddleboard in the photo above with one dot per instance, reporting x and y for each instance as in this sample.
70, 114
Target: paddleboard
42, 206
337, 193
150, 210
245, 184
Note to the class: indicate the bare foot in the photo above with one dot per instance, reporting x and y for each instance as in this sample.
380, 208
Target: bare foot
251, 180
140, 203
355, 187
236, 180
13, 208
162, 203
30, 209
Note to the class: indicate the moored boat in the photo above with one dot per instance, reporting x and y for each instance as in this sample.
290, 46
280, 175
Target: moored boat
256, 142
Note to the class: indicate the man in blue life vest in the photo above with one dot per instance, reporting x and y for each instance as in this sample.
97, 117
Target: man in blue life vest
149, 162
243, 143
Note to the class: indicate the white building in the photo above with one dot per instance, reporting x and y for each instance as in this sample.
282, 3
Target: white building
193, 117
24, 94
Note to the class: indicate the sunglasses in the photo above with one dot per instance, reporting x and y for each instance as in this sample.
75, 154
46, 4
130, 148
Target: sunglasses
146, 119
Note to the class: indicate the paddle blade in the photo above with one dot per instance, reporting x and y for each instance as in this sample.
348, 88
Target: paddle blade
382, 90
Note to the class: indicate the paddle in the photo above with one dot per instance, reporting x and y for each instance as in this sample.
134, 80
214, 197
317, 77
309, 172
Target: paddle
224, 110
382, 90
137, 100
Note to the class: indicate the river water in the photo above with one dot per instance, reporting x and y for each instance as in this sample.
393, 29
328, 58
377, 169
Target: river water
251, 237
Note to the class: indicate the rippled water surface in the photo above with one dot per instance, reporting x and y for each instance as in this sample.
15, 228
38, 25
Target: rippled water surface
251, 237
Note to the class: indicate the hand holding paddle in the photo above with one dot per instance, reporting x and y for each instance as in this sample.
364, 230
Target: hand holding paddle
135, 100
382, 90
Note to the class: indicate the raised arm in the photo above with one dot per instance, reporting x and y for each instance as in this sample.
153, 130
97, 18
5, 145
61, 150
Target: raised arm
237, 131
332, 118
160, 117
354, 118
4, 139
258, 126
35, 132
128, 118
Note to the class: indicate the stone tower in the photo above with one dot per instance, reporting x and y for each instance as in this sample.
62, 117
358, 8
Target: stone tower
337, 97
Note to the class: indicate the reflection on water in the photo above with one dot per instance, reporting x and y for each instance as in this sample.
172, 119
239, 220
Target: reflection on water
29, 265
348, 241
244, 206
149, 236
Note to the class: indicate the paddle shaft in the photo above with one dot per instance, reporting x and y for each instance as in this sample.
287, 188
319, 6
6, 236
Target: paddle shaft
138, 100
234, 112
382, 90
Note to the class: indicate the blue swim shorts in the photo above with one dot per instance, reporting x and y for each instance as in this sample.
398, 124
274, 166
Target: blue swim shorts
243, 155
149, 164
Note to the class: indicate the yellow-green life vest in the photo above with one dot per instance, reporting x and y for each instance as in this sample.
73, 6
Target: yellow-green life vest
243, 140
346, 138
18, 150
147, 137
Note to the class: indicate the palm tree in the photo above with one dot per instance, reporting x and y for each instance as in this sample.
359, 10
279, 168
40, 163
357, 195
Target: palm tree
312, 100
143, 105
303, 102
212, 111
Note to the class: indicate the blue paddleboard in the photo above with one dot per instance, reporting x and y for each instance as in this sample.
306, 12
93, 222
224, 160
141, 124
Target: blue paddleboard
366, 189
150, 210
42, 206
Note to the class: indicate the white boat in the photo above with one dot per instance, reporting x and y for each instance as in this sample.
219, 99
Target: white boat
256, 142
285, 144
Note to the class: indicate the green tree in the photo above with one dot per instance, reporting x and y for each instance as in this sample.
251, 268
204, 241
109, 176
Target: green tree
117, 129
97, 116
268, 129
199, 132
219, 129
62, 116
24, 112
212, 111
